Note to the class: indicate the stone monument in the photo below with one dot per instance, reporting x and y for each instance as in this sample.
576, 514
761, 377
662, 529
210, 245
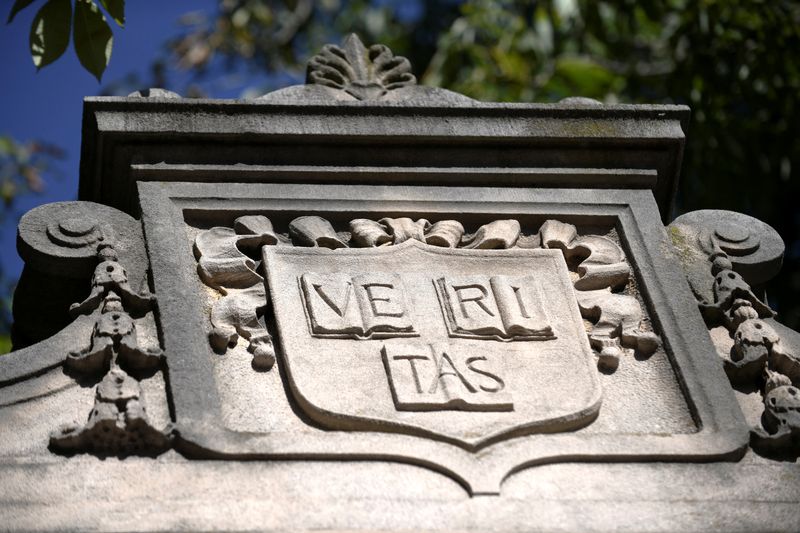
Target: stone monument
361, 303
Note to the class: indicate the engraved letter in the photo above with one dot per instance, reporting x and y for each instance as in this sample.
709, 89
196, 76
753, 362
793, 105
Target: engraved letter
382, 302
338, 309
410, 367
520, 306
471, 293
411, 361
469, 304
382, 292
327, 299
500, 385
441, 372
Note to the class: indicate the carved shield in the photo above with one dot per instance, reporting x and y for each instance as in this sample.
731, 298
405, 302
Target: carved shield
467, 346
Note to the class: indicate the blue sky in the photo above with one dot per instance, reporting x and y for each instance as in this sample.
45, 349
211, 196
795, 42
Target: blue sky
47, 105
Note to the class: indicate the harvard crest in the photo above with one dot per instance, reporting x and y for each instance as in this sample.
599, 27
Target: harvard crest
430, 341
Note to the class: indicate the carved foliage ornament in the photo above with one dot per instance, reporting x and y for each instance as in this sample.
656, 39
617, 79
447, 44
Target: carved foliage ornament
364, 73
226, 263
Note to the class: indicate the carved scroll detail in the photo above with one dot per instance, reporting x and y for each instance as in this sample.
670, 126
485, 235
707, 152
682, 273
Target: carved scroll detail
759, 355
602, 268
118, 423
364, 73
224, 266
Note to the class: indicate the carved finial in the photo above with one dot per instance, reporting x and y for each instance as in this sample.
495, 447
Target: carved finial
366, 74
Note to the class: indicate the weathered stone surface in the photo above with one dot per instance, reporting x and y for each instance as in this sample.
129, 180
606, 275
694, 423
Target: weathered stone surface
464, 143
718, 249
365, 304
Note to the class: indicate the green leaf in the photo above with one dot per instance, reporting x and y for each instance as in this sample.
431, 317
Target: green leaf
93, 37
5, 344
115, 8
19, 5
49, 36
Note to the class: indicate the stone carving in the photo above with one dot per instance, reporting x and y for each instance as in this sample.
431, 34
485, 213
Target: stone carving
366, 306
62, 238
314, 231
110, 277
74, 232
602, 268
496, 307
364, 73
224, 266
497, 234
114, 333
154, 92
758, 354
416, 378
598, 261
427, 320
118, 424
445, 233
352, 72
781, 419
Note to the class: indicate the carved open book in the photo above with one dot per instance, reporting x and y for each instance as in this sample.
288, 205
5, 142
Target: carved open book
496, 307
360, 306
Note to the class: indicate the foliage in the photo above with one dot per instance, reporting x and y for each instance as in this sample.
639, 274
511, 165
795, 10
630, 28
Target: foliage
92, 36
21, 168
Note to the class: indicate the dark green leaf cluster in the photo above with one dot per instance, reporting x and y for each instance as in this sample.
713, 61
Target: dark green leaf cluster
92, 36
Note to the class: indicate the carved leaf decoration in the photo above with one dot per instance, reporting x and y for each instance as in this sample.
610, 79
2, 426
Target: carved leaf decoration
365, 74
240, 314
403, 229
368, 233
605, 265
252, 225
602, 261
445, 233
221, 264
557, 234
616, 315
314, 231
497, 234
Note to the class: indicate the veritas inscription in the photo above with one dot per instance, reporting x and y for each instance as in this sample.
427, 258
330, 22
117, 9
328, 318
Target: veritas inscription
468, 344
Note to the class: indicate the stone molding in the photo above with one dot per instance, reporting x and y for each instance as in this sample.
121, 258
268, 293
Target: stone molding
720, 432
